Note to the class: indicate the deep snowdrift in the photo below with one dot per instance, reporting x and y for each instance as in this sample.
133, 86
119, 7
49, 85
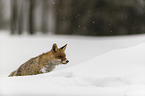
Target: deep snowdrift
116, 73
90, 72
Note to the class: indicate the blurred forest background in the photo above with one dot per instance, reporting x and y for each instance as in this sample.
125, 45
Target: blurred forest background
78, 17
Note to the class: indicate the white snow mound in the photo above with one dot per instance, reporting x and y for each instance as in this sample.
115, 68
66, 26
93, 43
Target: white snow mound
117, 72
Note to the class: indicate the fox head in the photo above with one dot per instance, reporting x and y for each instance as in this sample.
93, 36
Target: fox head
59, 55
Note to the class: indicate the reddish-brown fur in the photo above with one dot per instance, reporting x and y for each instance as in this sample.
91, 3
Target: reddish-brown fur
43, 63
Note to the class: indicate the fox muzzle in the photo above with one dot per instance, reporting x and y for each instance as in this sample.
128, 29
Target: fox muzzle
65, 62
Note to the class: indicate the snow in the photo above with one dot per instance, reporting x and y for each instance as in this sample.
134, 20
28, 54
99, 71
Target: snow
99, 66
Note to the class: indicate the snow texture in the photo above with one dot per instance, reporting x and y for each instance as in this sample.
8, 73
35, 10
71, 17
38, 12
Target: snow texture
118, 71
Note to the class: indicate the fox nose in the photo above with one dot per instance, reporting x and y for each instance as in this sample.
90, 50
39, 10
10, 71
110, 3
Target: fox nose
67, 61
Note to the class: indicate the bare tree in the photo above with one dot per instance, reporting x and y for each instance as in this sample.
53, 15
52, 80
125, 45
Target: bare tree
31, 25
44, 16
20, 17
13, 16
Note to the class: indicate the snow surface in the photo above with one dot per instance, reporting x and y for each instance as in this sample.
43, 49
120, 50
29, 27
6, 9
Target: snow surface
99, 66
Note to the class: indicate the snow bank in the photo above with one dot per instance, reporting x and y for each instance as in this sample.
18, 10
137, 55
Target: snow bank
122, 62
116, 73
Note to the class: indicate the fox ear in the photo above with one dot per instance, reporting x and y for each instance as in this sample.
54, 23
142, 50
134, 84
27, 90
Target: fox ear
54, 48
64, 47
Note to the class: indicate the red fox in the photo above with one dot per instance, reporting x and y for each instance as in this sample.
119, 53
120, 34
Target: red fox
43, 63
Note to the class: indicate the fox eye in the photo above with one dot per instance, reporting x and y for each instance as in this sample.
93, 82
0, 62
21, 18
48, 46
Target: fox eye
60, 56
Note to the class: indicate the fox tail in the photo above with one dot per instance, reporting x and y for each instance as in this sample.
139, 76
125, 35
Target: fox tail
12, 74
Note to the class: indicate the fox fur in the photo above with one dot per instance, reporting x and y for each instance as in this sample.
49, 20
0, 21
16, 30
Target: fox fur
43, 63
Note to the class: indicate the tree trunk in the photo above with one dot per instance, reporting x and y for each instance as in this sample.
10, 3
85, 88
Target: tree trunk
44, 16
31, 17
20, 20
13, 16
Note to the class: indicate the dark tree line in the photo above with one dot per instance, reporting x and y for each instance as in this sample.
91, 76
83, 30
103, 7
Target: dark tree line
100, 17
81, 17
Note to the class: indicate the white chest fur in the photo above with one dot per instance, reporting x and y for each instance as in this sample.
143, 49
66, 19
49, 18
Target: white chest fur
47, 68
43, 69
